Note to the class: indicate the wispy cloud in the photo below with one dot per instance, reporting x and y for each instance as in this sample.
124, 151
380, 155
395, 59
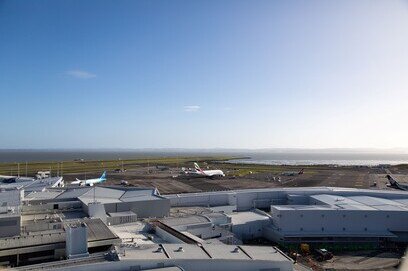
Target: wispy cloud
80, 74
191, 108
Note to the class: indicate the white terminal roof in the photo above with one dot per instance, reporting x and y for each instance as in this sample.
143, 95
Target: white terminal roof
186, 252
206, 251
245, 217
367, 203
223, 252
299, 191
265, 253
142, 252
184, 221
302, 207
118, 214
42, 195
403, 201
101, 194
134, 232
32, 185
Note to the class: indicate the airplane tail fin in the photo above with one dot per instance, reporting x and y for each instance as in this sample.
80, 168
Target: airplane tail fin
301, 171
391, 180
103, 177
197, 167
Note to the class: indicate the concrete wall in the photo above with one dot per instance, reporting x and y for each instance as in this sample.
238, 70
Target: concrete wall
10, 225
207, 232
250, 229
11, 198
97, 210
44, 206
150, 208
244, 200
32, 226
201, 199
164, 235
142, 208
116, 220
10, 219
298, 199
262, 198
187, 264
339, 221
219, 220
32, 240
76, 240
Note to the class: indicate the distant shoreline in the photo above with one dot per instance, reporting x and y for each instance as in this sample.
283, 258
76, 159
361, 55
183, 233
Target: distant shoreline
245, 157
339, 163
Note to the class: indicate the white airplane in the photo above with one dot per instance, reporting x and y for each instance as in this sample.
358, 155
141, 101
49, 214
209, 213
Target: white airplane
197, 172
90, 182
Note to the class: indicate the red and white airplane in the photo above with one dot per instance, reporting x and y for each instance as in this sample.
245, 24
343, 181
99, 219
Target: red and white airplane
292, 173
197, 172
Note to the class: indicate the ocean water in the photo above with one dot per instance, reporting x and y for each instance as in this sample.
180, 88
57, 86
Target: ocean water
300, 157
19, 156
304, 158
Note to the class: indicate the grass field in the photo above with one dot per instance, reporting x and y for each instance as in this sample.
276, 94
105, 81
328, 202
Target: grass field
97, 166
67, 167
246, 169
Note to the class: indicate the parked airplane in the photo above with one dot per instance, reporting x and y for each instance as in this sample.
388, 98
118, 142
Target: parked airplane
8, 179
90, 182
197, 172
394, 184
292, 173
14, 179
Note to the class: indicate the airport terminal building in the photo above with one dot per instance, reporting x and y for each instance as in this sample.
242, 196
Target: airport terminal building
127, 227
340, 219
317, 215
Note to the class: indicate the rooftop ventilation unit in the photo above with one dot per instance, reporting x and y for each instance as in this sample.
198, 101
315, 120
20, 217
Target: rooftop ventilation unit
76, 240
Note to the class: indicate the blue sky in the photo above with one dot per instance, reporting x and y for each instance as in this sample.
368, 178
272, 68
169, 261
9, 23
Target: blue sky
203, 74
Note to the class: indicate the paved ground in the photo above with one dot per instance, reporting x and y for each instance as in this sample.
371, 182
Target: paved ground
363, 261
354, 177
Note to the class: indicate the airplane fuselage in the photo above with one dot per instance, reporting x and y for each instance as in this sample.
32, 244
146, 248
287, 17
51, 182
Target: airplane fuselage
90, 182
193, 173
292, 173
197, 172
